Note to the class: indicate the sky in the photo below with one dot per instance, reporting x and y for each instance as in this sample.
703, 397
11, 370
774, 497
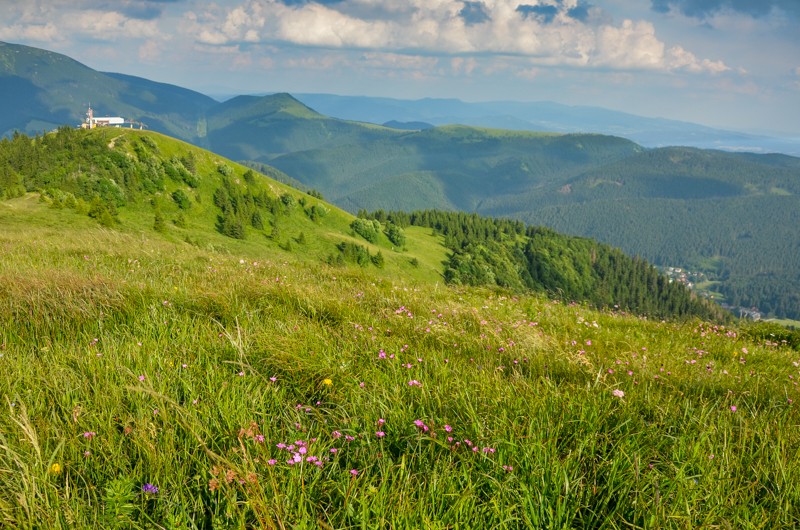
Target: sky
725, 63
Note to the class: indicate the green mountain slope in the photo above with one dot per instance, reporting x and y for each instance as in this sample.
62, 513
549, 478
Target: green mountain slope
727, 215
135, 180
470, 164
261, 128
42, 90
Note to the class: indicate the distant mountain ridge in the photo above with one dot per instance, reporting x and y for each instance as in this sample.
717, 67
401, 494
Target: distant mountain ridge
546, 116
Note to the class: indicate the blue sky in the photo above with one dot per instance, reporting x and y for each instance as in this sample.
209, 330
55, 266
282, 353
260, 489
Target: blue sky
725, 63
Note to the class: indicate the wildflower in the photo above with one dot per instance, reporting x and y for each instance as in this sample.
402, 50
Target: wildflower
149, 489
380, 434
354, 472
141, 378
55, 469
618, 393
89, 435
334, 450
327, 382
272, 462
733, 408
273, 379
381, 421
448, 428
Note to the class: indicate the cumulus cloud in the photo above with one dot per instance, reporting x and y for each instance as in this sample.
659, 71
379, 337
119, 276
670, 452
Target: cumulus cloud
62, 20
550, 32
36, 32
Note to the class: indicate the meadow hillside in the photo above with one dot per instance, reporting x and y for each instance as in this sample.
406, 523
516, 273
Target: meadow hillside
149, 382
137, 180
165, 365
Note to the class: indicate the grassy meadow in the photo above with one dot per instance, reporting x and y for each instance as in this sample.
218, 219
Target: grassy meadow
151, 383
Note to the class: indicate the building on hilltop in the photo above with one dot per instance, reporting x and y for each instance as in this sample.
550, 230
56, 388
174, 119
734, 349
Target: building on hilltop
107, 121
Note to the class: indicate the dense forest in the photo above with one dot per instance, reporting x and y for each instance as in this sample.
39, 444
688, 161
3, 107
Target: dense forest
506, 253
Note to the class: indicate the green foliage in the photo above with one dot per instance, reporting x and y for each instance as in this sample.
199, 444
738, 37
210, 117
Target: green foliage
288, 200
119, 503
395, 234
351, 253
369, 230
225, 170
378, 260
256, 221
316, 212
181, 199
229, 224
102, 211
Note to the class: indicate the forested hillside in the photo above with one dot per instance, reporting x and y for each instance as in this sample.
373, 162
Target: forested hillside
506, 253
137, 180
731, 216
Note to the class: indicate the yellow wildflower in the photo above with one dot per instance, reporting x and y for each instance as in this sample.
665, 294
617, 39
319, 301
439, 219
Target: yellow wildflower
327, 382
55, 469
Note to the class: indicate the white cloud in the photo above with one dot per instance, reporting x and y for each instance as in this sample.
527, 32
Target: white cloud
436, 27
58, 21
36, 32
108, 25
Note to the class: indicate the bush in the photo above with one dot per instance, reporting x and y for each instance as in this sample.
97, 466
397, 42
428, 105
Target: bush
181, 199
369, 230
395, 234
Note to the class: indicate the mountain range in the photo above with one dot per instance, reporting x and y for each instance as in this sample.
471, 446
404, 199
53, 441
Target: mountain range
730, 215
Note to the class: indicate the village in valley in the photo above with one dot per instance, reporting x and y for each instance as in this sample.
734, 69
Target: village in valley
699, 283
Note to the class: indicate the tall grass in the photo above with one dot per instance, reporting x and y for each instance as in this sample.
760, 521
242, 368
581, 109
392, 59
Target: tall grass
155, 385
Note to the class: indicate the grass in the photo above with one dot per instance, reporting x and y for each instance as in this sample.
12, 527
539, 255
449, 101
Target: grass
148, 383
